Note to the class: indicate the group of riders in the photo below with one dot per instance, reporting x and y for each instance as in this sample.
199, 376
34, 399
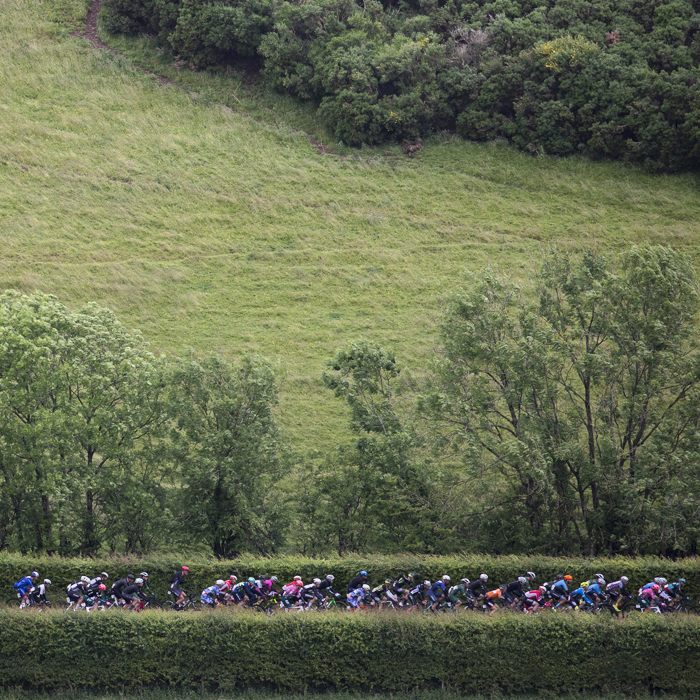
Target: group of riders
407, 592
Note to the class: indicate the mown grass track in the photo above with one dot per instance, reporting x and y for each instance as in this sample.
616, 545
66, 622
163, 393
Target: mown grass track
208, 228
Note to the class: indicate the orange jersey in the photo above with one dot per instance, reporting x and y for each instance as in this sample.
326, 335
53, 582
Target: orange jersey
494, 594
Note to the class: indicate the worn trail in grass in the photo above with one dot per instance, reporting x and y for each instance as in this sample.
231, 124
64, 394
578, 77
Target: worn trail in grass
204, 227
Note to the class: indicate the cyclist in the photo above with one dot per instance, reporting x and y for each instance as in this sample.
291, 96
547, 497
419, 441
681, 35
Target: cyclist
176, 583
437, 591
24, 585
383, 592
120, 585
594, 592
533, 599
357, 596
477, 589
309, 593
647, 596
530, 576
326, 589
38, 594
132, 594
616, 591
490, 599
146, 589
290, 591
358, 581
251, 588
454, 592
559, 590
210, 595
268, 584
514, 592
671, 593
228, 585
402, 585
417, 594
95, 582
78, 590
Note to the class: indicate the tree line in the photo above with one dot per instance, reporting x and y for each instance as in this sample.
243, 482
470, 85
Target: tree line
609, 79
558, 420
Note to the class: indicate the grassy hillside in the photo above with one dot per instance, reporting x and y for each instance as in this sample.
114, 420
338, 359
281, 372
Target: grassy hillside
229, 232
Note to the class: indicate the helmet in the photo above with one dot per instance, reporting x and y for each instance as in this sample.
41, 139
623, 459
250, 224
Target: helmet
530, 574
144, 574
661, 581
388, 581
185, 568
102, 587
656, 588
130, 576
601, 581
543, 589
139, 581
445, 578
85, 579
568, 578
363, 573
624, 579
426, 583
219, 582
104, 574
47, 581
522, 579
233, 577
682, 581
465, 581
274, 579
365, 587
297, 578
598, 576
34, 574
330, 577
317, 581
251, 579
411, 575
484, 577
560, 577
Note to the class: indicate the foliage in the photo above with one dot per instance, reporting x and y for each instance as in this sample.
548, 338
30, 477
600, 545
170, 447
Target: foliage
205, 570
91, 424
349, 652
559, 78
578, 412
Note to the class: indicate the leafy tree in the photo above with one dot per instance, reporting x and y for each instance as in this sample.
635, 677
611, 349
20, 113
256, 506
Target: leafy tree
226, 449
579, 409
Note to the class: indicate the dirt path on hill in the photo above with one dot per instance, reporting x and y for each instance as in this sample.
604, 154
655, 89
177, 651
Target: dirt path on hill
91, 36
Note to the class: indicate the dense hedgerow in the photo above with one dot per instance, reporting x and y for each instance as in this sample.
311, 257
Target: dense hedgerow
608, 79
204, 572
470, 653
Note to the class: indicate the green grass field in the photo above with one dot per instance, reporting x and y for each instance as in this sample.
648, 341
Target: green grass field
226, 230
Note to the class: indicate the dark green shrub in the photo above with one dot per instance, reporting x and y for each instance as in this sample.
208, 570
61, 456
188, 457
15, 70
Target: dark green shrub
506, 654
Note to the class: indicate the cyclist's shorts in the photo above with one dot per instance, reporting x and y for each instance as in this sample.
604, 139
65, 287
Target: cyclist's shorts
207, 600
453, 598
253, 598
127, 598
237, 595
354, 602
432, 596
73, 596
177, 591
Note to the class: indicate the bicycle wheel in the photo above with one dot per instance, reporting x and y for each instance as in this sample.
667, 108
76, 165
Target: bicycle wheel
12, 603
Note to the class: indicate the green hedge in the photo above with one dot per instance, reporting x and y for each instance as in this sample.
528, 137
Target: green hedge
204, 572
393, 652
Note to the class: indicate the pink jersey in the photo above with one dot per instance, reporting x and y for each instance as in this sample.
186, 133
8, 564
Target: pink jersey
292, 588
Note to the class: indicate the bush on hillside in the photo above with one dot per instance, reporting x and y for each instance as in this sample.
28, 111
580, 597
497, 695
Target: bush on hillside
557, 77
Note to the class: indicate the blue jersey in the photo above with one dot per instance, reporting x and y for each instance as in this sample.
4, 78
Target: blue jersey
559, 588
580, 593
24, 585
357, 594
595, 588
211, 591
438, 588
